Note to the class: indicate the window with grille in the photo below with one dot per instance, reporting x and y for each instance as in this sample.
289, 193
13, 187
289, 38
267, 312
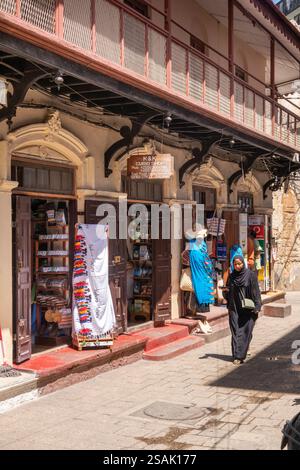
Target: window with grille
297, 19
197, 44
139, 6
205, 196
241, 74
43, 179
142, 190
245, 201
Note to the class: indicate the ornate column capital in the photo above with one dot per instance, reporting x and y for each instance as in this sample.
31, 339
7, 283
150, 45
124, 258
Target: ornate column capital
7, 186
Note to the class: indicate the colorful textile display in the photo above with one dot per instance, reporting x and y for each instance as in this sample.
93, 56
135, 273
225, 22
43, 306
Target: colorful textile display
93, 315
201, 269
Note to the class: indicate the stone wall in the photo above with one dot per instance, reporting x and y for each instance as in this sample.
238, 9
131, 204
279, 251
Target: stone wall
286, 232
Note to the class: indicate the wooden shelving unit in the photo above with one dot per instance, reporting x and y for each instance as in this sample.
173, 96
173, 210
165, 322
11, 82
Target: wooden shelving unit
53, 249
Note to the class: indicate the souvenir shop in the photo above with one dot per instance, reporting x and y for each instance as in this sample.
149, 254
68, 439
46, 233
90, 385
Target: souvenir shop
43, 237
142, 254
255, 239
139, 266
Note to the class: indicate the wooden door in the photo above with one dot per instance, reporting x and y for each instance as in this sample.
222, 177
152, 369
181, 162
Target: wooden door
231, 231
117, 265
161, 280
22, 271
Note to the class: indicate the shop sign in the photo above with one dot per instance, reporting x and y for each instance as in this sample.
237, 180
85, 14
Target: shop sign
259, 230
256, 220
153, 167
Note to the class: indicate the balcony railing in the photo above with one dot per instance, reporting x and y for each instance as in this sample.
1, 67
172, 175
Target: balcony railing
125, 39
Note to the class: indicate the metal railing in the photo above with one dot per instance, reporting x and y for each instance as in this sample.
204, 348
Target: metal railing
122, 37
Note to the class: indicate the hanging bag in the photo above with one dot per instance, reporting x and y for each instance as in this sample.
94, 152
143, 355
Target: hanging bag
216, 226
186, 284
247, 304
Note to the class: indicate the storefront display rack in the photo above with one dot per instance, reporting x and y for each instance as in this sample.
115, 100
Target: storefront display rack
52, 286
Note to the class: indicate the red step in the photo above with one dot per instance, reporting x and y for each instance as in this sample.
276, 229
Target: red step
174, 349
191, 324
157, 337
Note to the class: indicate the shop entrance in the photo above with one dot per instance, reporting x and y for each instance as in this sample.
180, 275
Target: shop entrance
148, 276
139, 273
43, 240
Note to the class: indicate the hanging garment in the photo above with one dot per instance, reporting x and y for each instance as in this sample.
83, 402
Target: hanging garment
201, 269
93, 314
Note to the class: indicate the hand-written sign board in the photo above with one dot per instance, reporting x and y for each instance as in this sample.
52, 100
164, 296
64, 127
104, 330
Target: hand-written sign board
159, 166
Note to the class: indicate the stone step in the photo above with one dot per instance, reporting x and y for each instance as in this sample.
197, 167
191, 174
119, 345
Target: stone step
190, 323
174, 349
220, 330
277, 310
157, 337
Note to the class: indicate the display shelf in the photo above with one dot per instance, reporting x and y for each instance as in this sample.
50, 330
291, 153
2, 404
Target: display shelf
137, 278
142, 243
57, 256
141, 260
141, 296
50, 273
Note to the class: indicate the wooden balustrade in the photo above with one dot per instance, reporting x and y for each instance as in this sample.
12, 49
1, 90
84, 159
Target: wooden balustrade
117, 34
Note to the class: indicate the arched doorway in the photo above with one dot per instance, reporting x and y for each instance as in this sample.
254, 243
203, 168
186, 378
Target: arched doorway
48, 163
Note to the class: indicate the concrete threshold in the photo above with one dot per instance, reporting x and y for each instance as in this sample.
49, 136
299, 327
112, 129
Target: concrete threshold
66, 366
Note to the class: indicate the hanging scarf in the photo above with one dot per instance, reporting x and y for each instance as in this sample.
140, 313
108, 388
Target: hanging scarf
236, 250
240, 278
201, 269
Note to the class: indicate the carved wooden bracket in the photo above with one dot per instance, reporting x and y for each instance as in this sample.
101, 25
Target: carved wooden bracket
266, 186
20, 90
199, 156
128, 136
250, 160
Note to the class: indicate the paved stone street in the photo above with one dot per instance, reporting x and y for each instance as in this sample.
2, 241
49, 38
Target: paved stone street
199, 400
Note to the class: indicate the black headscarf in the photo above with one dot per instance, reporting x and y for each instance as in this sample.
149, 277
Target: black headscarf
241, 278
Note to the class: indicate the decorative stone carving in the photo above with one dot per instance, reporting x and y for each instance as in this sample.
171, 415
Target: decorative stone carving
54, 122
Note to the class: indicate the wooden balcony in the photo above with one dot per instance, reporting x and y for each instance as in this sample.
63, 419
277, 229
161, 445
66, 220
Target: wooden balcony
112, 34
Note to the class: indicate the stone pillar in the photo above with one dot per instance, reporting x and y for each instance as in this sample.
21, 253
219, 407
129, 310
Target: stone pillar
176, 249
6, 272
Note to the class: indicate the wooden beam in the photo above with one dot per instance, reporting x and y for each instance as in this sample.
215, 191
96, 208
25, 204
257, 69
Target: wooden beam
168, 28
272, 81
231, 35
231, 54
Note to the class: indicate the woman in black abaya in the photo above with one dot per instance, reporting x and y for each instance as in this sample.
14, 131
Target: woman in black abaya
242, 283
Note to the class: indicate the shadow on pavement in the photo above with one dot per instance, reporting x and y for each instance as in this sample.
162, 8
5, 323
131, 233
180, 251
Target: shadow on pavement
271, 370
221, 357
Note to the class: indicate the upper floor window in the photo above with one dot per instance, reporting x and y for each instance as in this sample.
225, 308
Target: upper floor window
297, 18
139, 6
246, 204
241, 74
142, 190
198, 44
43, 179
